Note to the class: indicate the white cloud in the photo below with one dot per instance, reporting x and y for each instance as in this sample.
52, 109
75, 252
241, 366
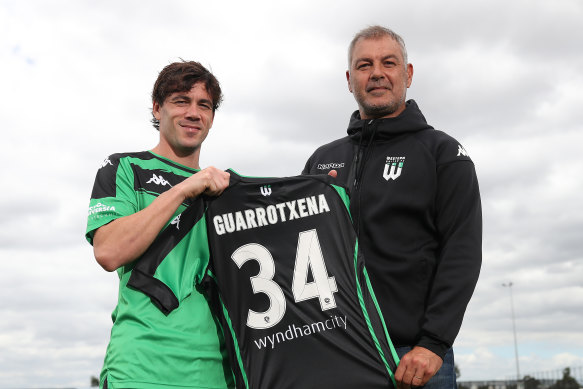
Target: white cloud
503, 78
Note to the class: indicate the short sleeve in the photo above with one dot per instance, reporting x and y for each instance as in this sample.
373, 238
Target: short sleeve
113, 195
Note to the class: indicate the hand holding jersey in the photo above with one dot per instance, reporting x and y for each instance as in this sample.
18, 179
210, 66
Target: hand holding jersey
287, 281
137, 195
416, 368
209, 181
125, 239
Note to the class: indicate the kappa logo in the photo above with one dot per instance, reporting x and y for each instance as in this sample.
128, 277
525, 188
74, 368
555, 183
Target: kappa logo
176, 222
158, 180
266, 190
331, 165
105, 162
393, 168
461, 151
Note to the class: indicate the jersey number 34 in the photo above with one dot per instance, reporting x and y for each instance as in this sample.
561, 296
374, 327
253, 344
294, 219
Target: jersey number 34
308, 256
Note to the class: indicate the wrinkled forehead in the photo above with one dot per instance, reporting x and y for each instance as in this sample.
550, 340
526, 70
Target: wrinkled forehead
367, 47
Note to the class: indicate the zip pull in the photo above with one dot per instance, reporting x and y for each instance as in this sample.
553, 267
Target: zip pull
355, 169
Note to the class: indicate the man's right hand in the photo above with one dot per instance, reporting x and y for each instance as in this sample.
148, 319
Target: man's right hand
125, 239
210, 181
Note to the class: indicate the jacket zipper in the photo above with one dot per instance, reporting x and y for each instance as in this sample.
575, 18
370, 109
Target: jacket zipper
358, 156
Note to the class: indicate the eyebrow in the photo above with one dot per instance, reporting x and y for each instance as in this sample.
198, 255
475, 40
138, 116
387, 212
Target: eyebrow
180, 97
205, 101
392, 56
189, 100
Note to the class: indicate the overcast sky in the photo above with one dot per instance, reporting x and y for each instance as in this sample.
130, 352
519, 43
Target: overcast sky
504, 77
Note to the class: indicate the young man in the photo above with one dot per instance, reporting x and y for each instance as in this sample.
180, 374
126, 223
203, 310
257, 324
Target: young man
416, 207
135, 196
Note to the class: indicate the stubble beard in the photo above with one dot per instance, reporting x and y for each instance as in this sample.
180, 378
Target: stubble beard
376, 111
379, 111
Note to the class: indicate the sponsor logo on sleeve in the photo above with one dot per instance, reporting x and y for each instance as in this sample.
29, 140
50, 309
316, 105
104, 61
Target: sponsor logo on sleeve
331, 165
101, 208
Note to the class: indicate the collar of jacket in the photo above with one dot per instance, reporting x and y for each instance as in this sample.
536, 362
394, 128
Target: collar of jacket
410, 120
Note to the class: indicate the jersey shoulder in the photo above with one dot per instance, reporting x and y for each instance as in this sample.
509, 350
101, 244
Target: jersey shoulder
444, 147
333, 155
332, 146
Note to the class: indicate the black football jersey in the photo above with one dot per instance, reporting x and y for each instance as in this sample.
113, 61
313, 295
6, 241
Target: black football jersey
290, 289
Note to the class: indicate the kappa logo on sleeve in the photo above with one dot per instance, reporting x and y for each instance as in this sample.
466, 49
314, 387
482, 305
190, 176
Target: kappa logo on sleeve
461, 151
393, 168
105, 162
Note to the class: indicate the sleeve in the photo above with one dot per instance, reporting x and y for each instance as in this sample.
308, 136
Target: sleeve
308, 167
113, 195
168, 283
459, 227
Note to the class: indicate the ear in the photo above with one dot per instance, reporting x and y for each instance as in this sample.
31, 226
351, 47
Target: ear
348, 80
409, 74
156, 110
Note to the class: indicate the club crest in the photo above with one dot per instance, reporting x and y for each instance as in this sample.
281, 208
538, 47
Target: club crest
266, 190
393, 168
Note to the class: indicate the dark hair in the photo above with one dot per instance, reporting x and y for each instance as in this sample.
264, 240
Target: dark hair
180, 77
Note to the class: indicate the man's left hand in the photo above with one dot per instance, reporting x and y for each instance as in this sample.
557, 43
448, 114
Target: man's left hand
417, 367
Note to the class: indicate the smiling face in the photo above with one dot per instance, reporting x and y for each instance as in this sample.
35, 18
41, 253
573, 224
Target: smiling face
378, 77
185, 120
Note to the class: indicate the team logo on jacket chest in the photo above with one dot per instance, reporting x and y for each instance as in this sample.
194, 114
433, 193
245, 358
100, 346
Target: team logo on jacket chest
393, 168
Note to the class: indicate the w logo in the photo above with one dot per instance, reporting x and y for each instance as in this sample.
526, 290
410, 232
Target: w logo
266, 190
393, 168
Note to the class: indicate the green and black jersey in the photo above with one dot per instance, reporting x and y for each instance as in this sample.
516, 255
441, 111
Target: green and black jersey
289, 287
150, 348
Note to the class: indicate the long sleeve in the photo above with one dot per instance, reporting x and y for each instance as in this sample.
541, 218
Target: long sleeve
459, 226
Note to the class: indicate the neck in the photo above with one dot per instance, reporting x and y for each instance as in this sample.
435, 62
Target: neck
188, 158
388, 112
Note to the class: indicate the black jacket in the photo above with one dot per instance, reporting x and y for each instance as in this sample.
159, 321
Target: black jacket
415, 202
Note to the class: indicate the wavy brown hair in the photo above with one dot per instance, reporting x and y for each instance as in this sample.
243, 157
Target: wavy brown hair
180, 77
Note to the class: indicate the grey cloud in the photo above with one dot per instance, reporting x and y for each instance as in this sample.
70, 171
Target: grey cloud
503, 78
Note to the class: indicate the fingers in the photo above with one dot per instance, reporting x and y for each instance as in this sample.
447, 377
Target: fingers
217, 181
416, 368
409, 378
210, 181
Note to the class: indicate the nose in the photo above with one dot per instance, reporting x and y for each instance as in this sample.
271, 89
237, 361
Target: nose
376, 72
193, 112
